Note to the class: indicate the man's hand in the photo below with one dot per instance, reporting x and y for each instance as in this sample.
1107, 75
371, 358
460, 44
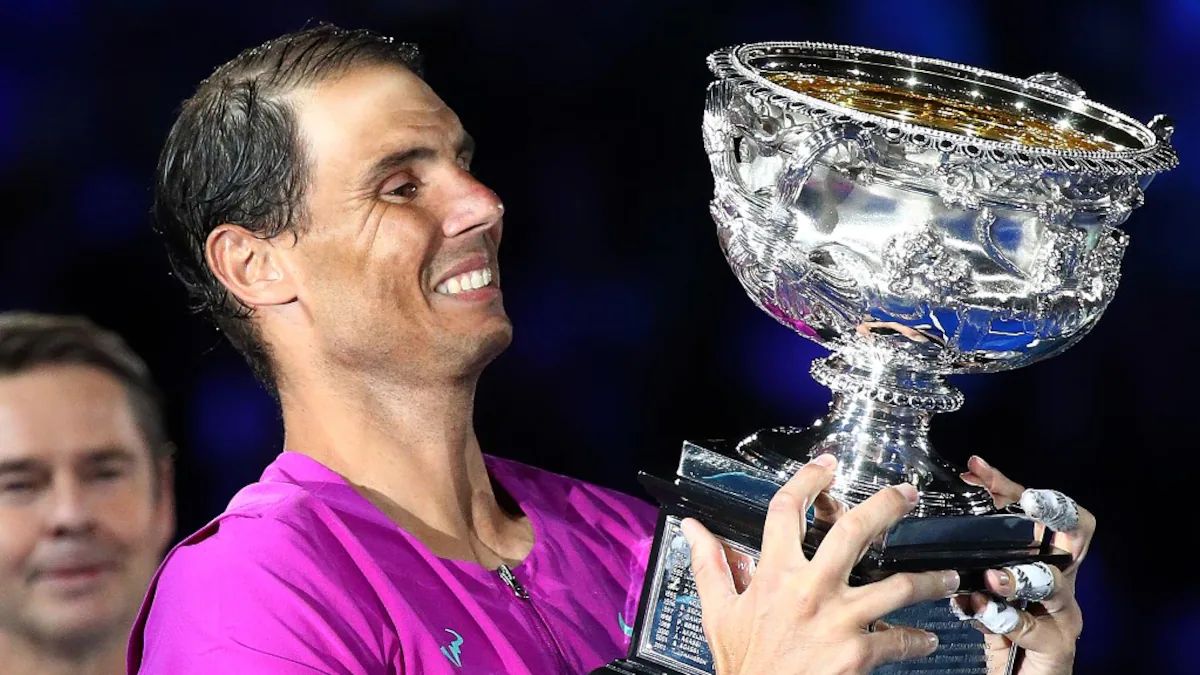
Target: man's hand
799, 616
1047, 632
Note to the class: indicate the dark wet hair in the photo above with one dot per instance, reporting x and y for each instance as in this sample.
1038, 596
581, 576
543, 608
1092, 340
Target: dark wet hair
29, 341
234, 155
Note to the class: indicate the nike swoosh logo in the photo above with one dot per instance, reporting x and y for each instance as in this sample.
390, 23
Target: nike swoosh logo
453, 650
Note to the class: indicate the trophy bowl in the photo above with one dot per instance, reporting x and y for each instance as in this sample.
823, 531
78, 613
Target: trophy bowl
919, 218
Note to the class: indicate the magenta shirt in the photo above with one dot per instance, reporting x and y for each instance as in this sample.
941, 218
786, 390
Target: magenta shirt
301, 574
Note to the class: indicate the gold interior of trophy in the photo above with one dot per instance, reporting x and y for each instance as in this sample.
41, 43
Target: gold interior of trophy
945, 113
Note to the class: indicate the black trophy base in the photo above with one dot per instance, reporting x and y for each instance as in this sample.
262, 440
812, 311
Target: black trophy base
731, 498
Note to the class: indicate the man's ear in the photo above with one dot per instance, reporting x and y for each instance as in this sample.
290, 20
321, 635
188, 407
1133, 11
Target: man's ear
250, 267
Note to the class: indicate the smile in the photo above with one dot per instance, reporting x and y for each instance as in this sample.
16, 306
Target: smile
467, 281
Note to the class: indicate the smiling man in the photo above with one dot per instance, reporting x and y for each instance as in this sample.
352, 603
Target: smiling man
85, 495
316, 197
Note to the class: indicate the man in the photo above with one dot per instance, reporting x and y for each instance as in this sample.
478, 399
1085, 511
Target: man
316, 197
85, 494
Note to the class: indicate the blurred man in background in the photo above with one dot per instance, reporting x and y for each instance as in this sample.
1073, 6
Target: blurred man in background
86, 505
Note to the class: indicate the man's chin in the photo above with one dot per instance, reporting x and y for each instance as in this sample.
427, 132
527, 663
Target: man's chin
81, 626
494, 343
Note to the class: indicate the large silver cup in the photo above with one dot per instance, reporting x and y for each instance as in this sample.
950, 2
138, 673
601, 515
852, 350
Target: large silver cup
920, 219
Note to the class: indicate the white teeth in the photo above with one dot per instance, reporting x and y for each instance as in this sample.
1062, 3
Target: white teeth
467, 281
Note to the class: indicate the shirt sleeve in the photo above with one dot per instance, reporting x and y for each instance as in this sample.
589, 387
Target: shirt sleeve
250, 599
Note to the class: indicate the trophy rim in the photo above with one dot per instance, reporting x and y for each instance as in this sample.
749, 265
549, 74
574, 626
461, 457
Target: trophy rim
730, 63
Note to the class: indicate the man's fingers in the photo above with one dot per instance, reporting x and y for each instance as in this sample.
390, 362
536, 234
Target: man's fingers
900, 590
1052, 508
898, 643
1022, 628
826, 509
784, 526
709, 566
1035, 582
854, 531
1004, 490
1079, 541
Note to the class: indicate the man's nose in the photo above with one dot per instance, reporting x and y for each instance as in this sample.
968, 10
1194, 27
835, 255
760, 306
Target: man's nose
473, 207
70, 510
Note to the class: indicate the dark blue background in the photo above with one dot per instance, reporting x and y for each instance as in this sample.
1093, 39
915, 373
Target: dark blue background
631, 333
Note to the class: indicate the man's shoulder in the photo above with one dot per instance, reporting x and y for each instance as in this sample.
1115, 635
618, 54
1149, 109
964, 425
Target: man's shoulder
290, 533
272, 564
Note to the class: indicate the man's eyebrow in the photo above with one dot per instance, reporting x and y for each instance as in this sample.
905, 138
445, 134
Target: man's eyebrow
392, 161
19, 465
400, 158
108, 454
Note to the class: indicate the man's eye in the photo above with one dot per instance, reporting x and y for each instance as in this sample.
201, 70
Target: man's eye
108, 474
406, 191
17, 487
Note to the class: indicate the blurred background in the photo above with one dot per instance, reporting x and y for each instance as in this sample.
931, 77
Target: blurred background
631, 332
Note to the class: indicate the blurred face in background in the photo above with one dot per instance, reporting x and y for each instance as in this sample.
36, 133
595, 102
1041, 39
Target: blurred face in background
84, 511
397, 267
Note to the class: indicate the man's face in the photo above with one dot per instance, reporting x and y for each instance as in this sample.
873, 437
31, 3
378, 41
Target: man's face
84, 516
397, 265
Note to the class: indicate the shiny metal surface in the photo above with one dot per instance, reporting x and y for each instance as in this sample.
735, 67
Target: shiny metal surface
919, 218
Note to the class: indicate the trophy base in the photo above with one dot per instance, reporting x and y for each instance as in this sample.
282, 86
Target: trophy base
730, 497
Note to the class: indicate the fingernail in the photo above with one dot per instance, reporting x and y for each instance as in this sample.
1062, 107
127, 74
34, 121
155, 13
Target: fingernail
1001, 580
909, 491
971, 478
931, 640
981, 460
826, 460
951, 580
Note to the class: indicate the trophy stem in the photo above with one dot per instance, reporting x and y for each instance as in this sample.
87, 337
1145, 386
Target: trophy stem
878, 428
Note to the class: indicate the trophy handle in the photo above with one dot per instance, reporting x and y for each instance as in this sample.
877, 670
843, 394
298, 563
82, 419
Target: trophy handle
1162, 126
808, 148
1060, 82
737, 136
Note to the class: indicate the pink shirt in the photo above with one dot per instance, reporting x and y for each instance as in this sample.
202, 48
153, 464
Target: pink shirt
301, 574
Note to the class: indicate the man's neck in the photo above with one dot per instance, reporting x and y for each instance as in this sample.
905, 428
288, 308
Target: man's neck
412, 451
19, 656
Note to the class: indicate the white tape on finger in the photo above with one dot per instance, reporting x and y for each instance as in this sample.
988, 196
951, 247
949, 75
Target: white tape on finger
1034, 582
1054, 509
959, 611
998, 616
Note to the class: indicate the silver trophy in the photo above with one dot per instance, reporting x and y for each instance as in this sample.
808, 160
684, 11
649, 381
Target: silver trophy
919, 218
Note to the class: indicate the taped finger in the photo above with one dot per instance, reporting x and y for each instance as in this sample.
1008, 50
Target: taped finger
1033, 582
1052, 508
998, 616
